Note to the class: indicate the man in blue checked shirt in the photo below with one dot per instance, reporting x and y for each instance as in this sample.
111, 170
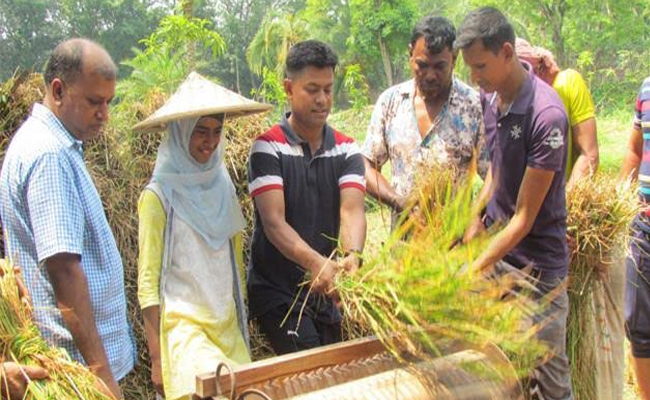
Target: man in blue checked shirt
55, 226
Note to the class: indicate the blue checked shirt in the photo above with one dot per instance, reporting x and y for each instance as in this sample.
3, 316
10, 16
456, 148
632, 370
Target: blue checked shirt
49, 205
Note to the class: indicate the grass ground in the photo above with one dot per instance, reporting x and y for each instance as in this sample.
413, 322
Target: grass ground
613, 133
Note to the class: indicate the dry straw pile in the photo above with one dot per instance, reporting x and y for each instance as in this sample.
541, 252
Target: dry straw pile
599, 214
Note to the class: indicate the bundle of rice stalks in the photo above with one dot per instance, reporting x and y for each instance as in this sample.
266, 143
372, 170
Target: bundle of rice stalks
20, 341
418, 293
599, 214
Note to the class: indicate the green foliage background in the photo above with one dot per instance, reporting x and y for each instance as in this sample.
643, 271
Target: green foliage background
605, 40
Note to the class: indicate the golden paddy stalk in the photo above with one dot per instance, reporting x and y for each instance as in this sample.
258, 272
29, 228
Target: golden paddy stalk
599, 214
416, 294
20, 341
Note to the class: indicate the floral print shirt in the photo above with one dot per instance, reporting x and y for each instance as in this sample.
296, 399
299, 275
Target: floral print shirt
455, 135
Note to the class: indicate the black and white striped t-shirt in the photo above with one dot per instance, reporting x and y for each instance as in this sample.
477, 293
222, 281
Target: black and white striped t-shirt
312, 184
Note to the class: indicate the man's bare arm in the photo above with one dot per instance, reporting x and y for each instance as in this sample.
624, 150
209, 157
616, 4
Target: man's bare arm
353, 226
271, 208
532, 192
476, 225
633, 155
73, 300
585, 141
378, 187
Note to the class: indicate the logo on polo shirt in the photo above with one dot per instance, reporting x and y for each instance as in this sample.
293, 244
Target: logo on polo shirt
555, 139
515, 132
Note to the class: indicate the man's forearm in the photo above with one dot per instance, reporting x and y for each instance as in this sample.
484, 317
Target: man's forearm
632, 159
532, 192
584, 166
585, 141
379, 188
353, 230
73, 300
503, 243
292, 246
630, 168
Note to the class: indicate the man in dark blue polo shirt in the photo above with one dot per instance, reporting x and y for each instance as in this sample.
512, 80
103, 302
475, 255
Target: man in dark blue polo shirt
307, 180
526, 131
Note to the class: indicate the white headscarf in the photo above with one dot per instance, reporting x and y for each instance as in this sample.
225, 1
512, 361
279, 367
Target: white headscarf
203, 195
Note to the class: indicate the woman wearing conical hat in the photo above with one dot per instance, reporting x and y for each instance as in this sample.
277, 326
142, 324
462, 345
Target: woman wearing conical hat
189, 276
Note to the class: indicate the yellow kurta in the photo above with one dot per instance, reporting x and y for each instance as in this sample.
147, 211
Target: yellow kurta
198, 318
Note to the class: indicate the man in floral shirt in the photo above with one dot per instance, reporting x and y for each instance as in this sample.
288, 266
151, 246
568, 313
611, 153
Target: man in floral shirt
431, 119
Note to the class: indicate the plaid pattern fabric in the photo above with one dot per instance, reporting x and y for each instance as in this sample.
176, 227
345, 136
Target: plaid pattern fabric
49, 205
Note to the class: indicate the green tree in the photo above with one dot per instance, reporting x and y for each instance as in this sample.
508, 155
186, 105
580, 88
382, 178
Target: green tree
237, 21
615, 65
165, 60
380, 32
357, 87
29, 29
117, 25
271, 43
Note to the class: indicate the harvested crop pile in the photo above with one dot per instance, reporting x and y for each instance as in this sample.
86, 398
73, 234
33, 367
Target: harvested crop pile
599, 214
20, 341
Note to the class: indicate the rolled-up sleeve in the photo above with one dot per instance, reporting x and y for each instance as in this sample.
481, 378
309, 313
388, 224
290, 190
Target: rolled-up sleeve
151, 244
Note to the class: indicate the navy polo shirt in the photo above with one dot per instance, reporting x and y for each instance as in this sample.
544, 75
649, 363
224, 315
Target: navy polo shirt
533, 133
312, 183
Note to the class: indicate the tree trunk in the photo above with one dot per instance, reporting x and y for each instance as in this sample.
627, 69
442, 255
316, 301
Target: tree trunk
385, 55
237, 74
187, 7
554, 12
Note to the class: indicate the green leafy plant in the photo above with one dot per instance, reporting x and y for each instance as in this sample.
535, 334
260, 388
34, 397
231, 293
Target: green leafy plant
357, 87
169, 55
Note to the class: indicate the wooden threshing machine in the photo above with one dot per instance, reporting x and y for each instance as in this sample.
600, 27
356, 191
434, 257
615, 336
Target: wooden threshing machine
363, 369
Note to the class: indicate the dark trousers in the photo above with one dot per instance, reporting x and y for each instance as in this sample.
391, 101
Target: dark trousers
313, 331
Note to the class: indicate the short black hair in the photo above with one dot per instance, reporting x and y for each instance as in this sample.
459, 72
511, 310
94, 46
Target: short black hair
488, 25
308, 53
438, 33
66, 61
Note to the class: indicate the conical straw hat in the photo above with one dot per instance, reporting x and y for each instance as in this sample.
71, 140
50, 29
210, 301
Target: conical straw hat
196, 97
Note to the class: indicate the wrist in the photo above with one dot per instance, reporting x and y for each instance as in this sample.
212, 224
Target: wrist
100, 369
315, 263
154, 357
357, 254
394, 203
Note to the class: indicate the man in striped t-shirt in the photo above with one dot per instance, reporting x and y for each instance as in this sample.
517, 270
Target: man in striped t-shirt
637, 292
307, 181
